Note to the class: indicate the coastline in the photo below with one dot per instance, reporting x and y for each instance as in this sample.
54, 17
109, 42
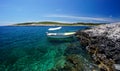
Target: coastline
51, 25
103, 44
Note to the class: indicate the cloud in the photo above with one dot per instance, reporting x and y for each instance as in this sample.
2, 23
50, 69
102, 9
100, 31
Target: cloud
60, 21
82, 18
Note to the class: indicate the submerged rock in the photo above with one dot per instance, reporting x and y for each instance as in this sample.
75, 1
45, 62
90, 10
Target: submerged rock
73, 48
73, 63
103, 43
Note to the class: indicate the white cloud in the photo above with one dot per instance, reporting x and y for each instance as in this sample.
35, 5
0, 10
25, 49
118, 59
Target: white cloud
82, 18
59, 21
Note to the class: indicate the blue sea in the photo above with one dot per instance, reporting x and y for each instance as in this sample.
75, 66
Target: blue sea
27, 48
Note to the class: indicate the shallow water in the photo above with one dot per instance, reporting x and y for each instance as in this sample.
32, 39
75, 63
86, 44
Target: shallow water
29, 49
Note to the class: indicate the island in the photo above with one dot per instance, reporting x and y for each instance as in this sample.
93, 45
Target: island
51, 23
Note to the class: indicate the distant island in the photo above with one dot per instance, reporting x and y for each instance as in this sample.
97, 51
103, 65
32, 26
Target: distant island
49, 23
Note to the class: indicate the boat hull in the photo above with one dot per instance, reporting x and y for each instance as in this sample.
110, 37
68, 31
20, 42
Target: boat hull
60, 38
67, 36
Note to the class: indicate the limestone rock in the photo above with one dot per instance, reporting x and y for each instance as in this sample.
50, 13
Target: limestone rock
103, 43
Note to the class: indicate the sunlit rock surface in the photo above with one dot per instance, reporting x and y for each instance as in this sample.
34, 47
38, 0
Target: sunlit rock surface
112, 31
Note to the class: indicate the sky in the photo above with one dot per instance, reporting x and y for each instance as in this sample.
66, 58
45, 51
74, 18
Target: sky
17, 11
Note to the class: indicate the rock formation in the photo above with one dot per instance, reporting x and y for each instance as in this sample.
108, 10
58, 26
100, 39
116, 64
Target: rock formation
103, 44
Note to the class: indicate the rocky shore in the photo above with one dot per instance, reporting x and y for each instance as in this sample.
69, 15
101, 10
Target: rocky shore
103, 44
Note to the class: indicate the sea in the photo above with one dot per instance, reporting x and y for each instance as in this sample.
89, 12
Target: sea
27, 48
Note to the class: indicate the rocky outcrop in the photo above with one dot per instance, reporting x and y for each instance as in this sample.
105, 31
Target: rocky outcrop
103, 43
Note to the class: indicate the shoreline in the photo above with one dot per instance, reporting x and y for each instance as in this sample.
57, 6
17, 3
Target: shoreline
51, 25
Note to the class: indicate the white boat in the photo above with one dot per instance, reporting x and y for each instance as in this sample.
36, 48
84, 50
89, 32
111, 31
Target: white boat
52, 29
59, 35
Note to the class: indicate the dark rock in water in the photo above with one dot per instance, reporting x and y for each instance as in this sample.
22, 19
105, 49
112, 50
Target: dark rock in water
85, 38
73, 63
73, 49
102, 45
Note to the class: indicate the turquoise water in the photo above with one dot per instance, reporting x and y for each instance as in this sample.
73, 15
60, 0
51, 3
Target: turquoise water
28, 49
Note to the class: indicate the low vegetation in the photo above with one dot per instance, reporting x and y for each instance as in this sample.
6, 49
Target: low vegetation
56, 24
